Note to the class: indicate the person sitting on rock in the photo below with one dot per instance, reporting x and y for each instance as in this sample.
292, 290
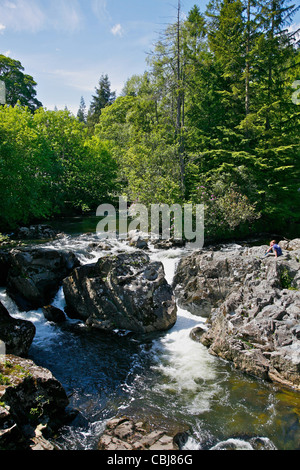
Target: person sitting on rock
275, 248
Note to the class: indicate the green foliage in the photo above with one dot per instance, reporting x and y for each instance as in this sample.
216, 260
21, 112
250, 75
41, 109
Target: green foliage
286, 279
19, 86
103, 97
215, 111
227, 207
49, 164
211, 121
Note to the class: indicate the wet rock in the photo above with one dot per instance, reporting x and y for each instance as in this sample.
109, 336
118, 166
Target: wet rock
35, 232
53, 314
196, 333
11, 436
138, 239
253, 305
168, 243
32, 401
35, 274
126, 291
17, 335
245, 443
126, 434
4, 267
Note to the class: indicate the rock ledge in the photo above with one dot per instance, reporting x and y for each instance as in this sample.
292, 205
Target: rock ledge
253, 307
126, 434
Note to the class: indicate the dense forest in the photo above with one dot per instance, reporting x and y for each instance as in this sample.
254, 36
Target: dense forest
214, 120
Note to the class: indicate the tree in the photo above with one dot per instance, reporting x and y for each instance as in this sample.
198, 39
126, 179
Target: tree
104, 97
81, 115
274, 50
49, 165
167, 64
19, 86
212, 121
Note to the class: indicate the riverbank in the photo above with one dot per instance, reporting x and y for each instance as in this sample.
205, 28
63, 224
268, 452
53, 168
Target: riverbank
252, 302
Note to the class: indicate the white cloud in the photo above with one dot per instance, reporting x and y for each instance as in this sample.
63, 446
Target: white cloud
22, 15
117, 30
65, 15
99, 7
2, 28
37, 15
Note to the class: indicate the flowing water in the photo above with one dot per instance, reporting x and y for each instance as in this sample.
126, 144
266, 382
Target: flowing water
165, 378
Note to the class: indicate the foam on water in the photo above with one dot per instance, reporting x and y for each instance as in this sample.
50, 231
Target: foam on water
46, 331
181, 372
234, 444
186, 365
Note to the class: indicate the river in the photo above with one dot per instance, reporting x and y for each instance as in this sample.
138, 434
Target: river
165, 378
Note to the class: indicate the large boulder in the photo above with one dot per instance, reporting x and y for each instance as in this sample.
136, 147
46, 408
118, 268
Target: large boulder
31, 399
126, 291
253, 304
35, 274
204, 279
53, 314
17, 335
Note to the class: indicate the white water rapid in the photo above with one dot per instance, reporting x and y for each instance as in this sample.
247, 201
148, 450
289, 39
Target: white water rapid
170, 375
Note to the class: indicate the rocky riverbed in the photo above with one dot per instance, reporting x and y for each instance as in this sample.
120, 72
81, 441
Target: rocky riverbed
252, 302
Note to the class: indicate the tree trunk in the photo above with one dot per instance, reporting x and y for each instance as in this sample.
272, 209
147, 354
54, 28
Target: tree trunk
180, 104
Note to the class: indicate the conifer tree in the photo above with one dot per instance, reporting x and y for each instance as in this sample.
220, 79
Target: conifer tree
81, 115
102, 98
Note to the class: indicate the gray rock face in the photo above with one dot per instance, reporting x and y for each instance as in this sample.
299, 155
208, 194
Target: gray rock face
17, 335
253, 304
31, 400
34, 275
125, 292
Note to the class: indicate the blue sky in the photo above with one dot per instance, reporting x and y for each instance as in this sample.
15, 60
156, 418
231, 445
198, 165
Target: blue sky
66, 45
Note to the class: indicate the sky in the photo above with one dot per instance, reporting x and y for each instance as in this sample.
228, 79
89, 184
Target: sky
66, 45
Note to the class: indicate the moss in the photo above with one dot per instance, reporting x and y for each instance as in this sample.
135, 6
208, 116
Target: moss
3, 238
38, 411
286, 279
9, 371
4, 380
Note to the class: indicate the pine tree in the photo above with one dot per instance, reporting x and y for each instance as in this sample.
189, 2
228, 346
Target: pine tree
81, 115
274, 49
104, 97
226, 42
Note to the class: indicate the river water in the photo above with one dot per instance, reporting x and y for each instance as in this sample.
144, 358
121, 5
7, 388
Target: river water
165, 378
